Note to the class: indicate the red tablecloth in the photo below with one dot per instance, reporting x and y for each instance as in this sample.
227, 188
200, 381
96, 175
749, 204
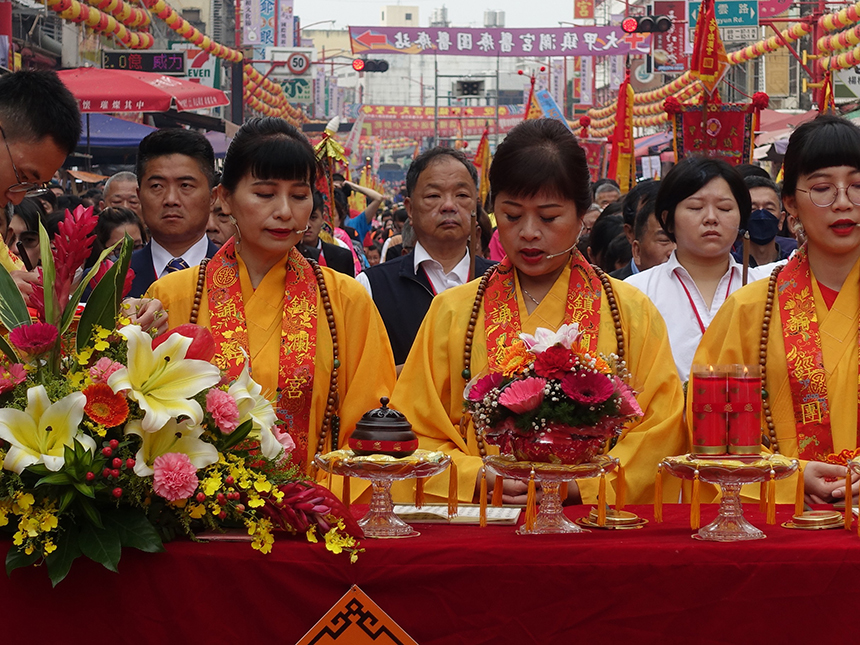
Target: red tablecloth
457, 584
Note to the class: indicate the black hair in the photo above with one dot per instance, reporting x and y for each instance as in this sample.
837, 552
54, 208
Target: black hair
688, 177
606, 228
824, 142
541, 155
67, 202
618, 253
269, 148
319, 201
31, 211
642, 216
400, 215
109, 220
757, 181
49, 197
35, 105
751, 170
434, 155
176, 141
642, 191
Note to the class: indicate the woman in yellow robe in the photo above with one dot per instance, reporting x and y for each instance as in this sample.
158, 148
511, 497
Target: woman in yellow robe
262, 299
811, 361
540, 186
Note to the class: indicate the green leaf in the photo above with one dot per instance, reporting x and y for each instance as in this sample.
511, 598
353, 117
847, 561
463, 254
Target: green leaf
49, 276
69, 313
102, 305
66, 499
55, 478
90, 511
60, 561
16, 559
135, 530
13, 309
101, 545
237, 436
7, 349
84, 489
39, 469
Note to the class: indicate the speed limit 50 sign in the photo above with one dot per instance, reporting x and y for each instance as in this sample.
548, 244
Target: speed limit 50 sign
298, 63
294, 61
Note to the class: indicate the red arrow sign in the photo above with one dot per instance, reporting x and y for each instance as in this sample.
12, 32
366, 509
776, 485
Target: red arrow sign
369, 39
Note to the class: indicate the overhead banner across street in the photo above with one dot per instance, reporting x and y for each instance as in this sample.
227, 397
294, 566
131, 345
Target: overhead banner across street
498, 41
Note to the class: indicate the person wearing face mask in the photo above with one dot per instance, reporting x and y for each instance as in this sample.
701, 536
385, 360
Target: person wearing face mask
701, 204
764, 224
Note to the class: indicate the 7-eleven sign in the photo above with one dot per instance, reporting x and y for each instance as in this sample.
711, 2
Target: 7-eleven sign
201, 66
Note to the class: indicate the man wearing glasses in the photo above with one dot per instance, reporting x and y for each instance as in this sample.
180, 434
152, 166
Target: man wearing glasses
40, 125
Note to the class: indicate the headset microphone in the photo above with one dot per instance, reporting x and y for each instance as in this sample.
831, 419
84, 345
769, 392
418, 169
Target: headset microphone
555, 255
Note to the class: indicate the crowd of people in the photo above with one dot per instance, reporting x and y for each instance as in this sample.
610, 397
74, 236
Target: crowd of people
336, 307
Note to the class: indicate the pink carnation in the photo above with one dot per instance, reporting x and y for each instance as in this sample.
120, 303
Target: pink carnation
479, 388
36, 338
629, 405
587, 388
11, 375
103, 368
175, 476
523, 396
284, 438
223, 409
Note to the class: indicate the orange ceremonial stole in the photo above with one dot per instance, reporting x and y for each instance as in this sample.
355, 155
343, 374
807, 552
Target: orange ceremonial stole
502, 316
803, 350
298, 335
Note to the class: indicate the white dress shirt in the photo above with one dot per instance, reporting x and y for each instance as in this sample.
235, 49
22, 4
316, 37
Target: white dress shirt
193, 256
665, 285
435, 273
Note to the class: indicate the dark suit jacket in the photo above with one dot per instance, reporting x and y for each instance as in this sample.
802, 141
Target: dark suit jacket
403, 298
624, 272
144, 272
336, 257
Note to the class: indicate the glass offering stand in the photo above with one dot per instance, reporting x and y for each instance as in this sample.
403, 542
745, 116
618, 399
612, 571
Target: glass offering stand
550, 518
730, 472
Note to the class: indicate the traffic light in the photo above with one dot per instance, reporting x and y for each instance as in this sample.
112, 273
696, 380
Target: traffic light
646, 24
371, 65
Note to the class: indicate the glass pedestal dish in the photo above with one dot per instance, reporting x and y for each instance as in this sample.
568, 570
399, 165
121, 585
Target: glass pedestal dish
550, 518
381, 470
730, 473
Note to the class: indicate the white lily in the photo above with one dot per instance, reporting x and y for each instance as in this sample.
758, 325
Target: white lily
174, 436
162, 381
41, 432
544, 338
253, 405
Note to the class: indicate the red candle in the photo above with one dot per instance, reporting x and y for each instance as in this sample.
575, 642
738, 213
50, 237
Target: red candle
709, 418
745, 417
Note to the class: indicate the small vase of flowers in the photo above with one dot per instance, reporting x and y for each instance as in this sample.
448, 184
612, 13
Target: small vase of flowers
552, 401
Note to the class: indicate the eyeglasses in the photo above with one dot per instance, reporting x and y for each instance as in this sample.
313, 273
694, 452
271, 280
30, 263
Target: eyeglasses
825, 194
28, 187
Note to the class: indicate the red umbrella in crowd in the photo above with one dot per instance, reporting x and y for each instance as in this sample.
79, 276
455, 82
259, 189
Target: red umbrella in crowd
119, 90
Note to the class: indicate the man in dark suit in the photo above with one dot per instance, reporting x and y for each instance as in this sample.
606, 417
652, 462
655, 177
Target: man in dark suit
175, 171
442, 194
312, 247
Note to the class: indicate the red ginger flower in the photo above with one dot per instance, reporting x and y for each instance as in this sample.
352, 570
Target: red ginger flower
72, 245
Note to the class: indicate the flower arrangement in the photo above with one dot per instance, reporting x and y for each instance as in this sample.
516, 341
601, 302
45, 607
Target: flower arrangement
110, 438
552, 401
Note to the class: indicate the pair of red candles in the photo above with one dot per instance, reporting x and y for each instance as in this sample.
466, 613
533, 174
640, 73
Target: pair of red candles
726, 409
